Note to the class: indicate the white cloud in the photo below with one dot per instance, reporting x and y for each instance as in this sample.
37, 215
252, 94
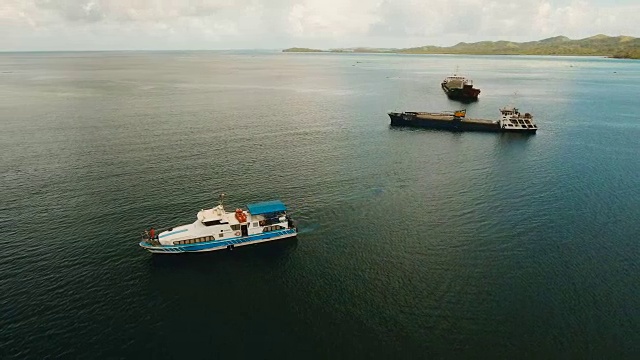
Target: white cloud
332, 18
161, 24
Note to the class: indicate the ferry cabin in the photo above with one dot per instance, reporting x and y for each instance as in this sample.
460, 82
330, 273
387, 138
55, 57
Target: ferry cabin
511, 119
461, 79
216, 229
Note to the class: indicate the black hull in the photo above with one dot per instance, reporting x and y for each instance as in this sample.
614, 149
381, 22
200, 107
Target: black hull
462, 95
453, 125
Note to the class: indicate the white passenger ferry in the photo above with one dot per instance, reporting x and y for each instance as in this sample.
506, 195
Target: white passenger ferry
216, 229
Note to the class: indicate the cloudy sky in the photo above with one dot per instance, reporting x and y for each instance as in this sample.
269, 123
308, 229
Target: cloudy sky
276, 24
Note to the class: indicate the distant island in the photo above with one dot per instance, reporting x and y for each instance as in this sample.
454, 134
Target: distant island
623, 47
296, 49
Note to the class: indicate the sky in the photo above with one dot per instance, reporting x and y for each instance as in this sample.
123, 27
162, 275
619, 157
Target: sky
50, 25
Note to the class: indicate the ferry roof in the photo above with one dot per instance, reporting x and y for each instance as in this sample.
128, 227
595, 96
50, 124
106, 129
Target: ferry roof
266, 207
509, 108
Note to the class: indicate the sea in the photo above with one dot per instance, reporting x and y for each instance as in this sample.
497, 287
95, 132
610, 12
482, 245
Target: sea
412, 243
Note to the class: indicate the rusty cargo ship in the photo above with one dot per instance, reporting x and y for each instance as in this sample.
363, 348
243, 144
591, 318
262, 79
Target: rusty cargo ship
460, 88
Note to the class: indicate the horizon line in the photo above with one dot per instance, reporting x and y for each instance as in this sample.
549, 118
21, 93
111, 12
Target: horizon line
285, 48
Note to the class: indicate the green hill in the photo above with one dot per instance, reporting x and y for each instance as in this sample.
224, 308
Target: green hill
598, 45
296, 49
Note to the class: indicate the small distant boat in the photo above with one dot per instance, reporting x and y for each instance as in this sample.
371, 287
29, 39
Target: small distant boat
511, 120
460, 88
216, 229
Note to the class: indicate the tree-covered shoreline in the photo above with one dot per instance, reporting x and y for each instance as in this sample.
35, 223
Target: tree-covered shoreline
626, 47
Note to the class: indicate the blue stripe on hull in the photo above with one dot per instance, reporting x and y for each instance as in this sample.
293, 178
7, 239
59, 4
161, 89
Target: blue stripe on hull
173, 233
217, 244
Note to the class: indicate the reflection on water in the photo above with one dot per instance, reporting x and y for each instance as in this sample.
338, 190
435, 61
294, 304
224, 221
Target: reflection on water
271, 252
517, 140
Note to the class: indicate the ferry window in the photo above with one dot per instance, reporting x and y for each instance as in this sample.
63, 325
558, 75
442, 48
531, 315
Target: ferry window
256, 224
221, 235
235, 227
211, 223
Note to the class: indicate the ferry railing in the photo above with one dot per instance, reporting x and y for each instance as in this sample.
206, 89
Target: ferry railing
146, 236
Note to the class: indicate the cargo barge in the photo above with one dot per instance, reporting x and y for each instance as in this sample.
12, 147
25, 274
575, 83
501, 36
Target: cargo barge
511, 120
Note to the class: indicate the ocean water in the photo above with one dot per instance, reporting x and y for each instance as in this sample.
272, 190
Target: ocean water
412, 244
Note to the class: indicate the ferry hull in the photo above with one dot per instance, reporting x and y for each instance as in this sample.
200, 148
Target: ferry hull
220, 244
398, 120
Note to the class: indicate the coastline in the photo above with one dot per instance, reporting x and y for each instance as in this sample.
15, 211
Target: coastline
608, 56
619, 47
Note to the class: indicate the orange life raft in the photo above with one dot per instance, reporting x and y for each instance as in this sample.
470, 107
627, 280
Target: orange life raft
241, 216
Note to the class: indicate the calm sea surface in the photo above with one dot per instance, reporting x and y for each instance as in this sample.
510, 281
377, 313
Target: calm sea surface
413, 243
